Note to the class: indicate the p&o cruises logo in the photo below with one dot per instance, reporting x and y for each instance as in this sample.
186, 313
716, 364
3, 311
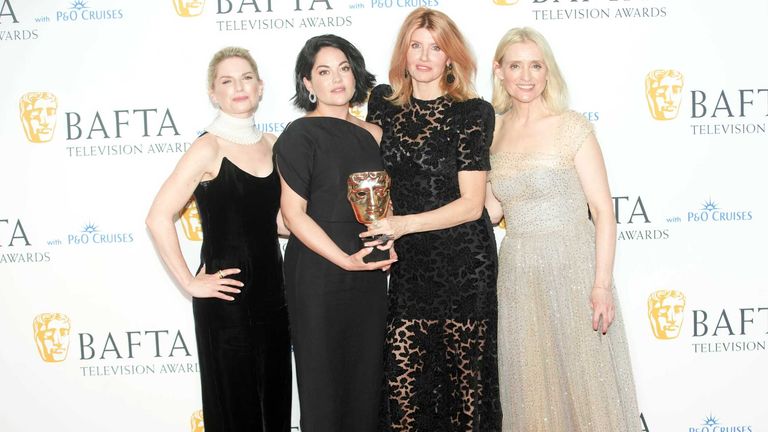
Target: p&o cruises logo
79, 10
713, 111
90, 234
713, 424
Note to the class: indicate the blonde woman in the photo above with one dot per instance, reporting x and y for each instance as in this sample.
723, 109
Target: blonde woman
241, 321
561, 367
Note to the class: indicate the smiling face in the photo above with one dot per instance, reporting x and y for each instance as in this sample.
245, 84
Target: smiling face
237, 88
332, 79
425, 60
523, 72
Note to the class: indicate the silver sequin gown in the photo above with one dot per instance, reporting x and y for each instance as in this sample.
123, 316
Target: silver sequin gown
555, 373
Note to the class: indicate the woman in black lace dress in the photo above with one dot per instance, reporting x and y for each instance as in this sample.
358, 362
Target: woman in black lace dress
440, 363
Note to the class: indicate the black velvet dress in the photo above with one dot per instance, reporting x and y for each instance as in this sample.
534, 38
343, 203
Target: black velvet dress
441, 357
337, 316
243, 345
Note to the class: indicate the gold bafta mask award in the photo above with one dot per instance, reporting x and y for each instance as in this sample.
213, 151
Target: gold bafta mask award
190, 221
38, 115
665, 312
664, 92
188, 8
368, 193
51, 332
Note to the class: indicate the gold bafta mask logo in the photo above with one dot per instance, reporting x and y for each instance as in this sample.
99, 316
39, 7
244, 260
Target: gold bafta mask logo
38, 115
52, 336
188, 8
359, 111
368, 193
196, 422
190, 221
664, 91
505, 2
665, 311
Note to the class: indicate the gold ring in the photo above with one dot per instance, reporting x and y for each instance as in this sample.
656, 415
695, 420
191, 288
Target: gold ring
221, 275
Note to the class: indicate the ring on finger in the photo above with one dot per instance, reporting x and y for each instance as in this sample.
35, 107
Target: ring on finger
221, 275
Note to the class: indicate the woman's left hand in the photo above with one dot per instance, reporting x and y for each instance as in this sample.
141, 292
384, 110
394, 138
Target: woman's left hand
601, 301
393, 227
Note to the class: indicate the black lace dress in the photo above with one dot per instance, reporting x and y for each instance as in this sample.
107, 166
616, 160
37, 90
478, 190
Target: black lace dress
440, 361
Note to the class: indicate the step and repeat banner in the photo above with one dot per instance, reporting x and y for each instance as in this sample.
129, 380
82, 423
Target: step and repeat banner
100, 98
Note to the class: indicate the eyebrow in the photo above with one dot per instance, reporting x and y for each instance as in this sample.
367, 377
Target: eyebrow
230, 76
324, 65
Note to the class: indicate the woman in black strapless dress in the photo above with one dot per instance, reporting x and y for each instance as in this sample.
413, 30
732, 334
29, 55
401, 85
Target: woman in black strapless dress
337, 302
241, 321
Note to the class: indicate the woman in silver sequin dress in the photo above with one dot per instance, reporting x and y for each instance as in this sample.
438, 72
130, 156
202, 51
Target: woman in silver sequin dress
561, 368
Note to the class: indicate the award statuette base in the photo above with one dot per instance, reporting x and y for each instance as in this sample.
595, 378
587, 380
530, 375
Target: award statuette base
376, 254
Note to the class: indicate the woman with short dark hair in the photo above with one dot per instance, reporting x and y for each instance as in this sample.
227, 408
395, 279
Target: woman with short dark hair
336, 301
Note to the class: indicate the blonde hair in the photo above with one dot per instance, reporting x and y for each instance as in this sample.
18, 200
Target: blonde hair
226, 53
448, 37
555, 94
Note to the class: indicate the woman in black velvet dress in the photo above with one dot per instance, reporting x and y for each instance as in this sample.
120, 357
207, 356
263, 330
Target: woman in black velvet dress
440, 365
336, 302
241, 321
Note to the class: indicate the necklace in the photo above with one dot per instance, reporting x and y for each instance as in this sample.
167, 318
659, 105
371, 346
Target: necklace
233, 129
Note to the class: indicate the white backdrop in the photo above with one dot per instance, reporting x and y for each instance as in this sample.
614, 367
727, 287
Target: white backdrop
130, 95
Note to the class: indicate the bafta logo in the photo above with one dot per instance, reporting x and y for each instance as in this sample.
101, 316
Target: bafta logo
190, 221
359, 111
665, 311
664, 91
38, 115
188, 8
52, 336
196, 421
505, 2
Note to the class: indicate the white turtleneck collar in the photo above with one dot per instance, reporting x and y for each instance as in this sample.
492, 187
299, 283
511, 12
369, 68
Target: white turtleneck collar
233, 129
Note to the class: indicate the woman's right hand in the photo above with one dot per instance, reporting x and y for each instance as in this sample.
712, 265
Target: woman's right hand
206, 285
355, 261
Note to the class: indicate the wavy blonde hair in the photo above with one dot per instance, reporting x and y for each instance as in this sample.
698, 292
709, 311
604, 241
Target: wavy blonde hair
555, 94
448, 37
226, 53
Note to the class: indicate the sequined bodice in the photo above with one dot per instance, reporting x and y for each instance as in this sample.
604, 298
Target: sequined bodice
541, 192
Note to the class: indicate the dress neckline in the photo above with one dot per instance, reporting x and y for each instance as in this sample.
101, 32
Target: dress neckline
237, 168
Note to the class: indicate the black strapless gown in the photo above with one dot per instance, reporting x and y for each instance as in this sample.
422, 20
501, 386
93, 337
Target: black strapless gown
243, 345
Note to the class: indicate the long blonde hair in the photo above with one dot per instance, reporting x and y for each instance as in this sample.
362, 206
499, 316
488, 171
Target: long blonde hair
555, 94
449, 39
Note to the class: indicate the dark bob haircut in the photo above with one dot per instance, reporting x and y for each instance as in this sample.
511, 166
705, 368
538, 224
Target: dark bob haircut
305, 61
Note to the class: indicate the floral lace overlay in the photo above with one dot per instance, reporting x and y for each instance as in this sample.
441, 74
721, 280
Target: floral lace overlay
440, 363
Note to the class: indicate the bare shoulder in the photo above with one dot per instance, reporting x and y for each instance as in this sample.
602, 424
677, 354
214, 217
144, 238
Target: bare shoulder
202, 154
270, 138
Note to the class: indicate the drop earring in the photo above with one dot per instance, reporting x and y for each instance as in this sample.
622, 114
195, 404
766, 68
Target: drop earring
449, 77
312, 97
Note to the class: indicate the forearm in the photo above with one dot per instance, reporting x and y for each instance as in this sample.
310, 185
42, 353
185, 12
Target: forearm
455, 213
605, 249
166, 242
303, 227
